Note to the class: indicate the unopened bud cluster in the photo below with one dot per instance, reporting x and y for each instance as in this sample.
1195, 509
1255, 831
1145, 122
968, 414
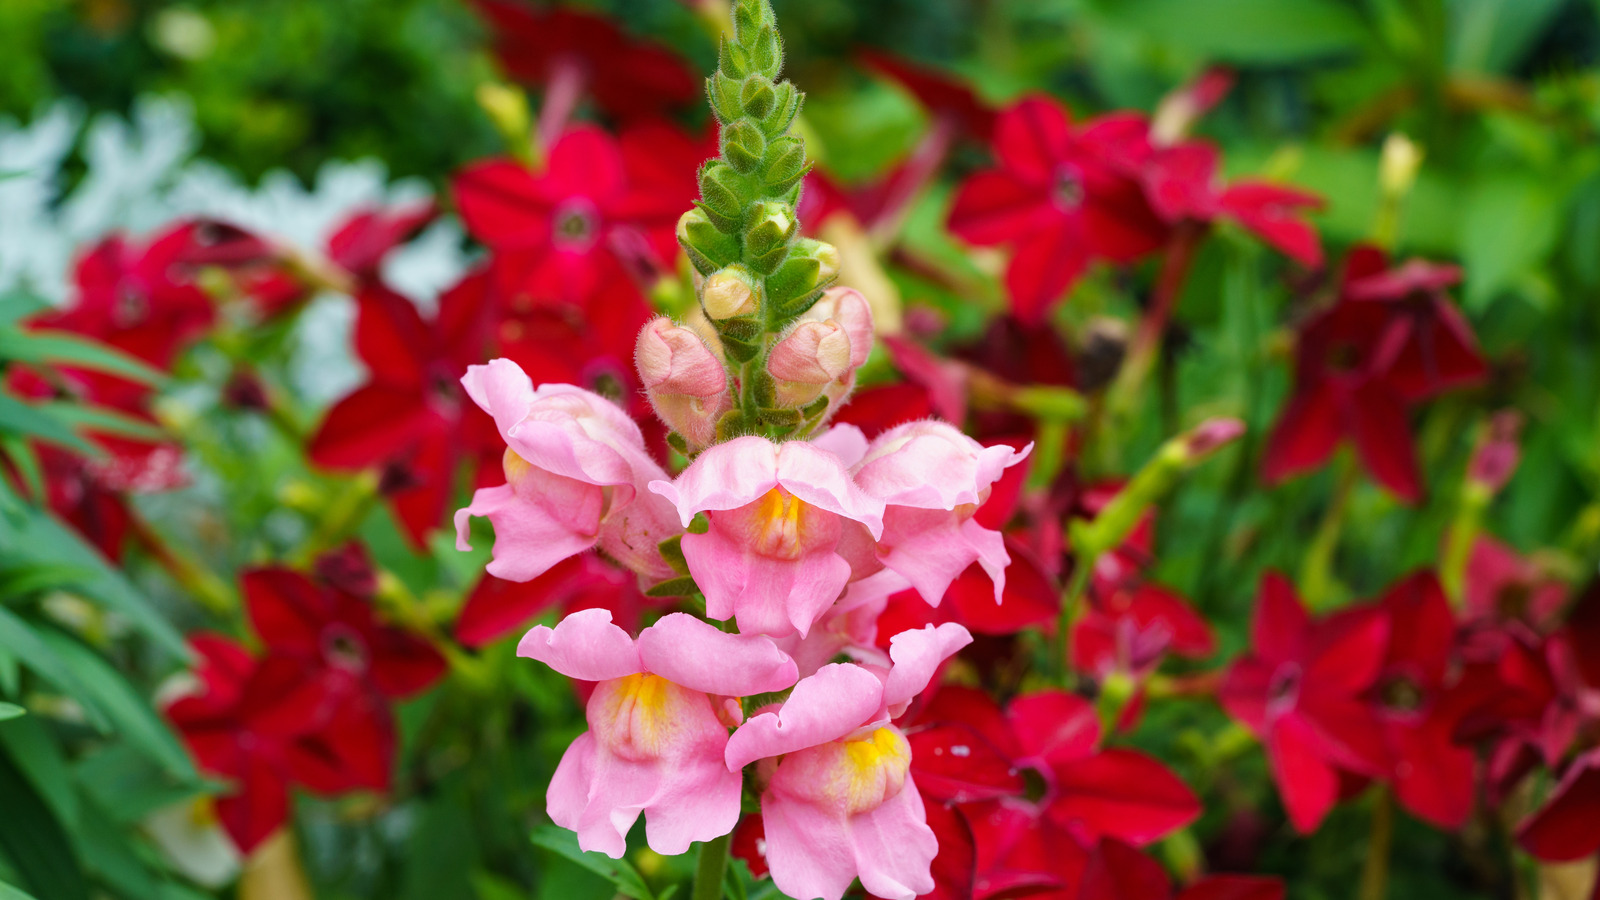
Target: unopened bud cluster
757, 276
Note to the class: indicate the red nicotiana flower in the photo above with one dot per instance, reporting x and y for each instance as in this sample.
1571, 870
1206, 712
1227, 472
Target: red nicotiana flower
1059, 198
557, 235
625, 76
412, 416
497, 607
1302, 691
1131, 629
1343, 391
1418, 707
1035, 789
360, 244
1433, 347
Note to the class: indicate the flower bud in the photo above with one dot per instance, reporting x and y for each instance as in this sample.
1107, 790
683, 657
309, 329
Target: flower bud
742, 146
820, 354
707, 248
769, 227
686, 384
732, 291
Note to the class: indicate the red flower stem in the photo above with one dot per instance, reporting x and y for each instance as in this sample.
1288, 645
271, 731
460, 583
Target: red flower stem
1375, 872
923, 164
200, 582
709, 870
1146, 341
561, 95
1316, 572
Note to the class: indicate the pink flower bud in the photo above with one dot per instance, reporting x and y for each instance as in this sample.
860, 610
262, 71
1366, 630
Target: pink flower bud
1212, 435
1496, 456
686, 383
820, 354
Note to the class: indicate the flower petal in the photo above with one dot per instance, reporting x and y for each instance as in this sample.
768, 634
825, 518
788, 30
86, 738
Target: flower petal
584, 645
700, 656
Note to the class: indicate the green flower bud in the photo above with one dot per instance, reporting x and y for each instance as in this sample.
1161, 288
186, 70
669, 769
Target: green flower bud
724, 94
721, 193
743, 146
784, 109
757, 96
729, 292
786, 164
766, 54
768, 229
708, 248
811, 267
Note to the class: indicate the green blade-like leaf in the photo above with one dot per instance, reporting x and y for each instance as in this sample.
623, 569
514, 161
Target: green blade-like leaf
38, 755
62, 348
35, 842
21, 418
11, 711
16, 450
619, 872
98, 418
51, 541
17, 303
21, 639
9, 892
131, 714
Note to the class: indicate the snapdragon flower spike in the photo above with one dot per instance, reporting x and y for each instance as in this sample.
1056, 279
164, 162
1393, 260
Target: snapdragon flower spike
685, 381
932, 479
658, 726
576, 474
781, 517
839, 802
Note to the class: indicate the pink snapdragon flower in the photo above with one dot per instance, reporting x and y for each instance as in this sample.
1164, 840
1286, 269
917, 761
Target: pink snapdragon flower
932, 479
576, 470
658, 726
839, 802
779, 516
685, 381
819, 355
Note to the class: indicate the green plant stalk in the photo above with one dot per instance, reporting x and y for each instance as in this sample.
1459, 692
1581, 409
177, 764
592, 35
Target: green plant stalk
1316, 572
1375, 871
1465, 526
1146, 343
192, 575
710, 868
341, 516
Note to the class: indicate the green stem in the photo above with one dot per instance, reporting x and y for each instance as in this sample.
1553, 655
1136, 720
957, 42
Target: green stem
1375, 872
1071, 607
1316, 573
341, 516
708, 873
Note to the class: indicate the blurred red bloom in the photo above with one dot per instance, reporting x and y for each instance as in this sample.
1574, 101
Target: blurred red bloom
627, 77
1301, 690
1183, 183
1343, 391
556, 235
1059, 199
1502, 587
1567, 827
943, 94
412, 416
1131, 629
966, 751
497, 607
360, 244
1432, 345
1417, 707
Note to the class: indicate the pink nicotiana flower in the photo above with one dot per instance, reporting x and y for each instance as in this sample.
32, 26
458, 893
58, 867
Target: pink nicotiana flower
576, 470
839, 802
779, 515
932, 479
658, 726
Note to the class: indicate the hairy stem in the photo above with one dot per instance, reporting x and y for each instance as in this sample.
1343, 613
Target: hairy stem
708, 872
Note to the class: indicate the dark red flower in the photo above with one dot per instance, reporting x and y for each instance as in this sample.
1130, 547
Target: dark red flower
1183, 183
1567, 827
412, 417
1417, 707
625, 76
945, 96
556, 235
1502, 586
1343, 391
360, 244
497, 607
1031, 598
1432, 346
881, 407
1302, 691
966, 751
1131, 629
1059, 199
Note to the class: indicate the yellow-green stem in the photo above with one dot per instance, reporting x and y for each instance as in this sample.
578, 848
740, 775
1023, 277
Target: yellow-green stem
710, 869
1316, 573
1375, 872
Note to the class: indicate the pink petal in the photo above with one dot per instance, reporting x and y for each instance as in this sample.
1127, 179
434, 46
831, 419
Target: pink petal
932, 465
528, 538
825, 706
894, 847
699, 801
809, 851
930, 548
585, 646
917, 655
763, 594
698, 655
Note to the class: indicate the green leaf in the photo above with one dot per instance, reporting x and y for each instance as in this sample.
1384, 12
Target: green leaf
34, 840
26, 462
128, 784
108, 851
51, 541
1509, 227
109, 421
38, 755
21, 418
61, 348
1495, 35
17, 303
673, 587
11, 711
619, 872
131, 714
24, 580
1246, 31
20, 638
8, 892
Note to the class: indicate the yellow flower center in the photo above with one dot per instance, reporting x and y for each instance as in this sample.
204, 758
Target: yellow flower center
780, 515
641, 717
867, 772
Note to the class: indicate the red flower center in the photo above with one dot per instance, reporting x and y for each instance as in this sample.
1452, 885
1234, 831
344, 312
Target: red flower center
1401, 694
131, 307
1067, 192
1343, 357
343, 648
1284, 689
1512, 600
576, 224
